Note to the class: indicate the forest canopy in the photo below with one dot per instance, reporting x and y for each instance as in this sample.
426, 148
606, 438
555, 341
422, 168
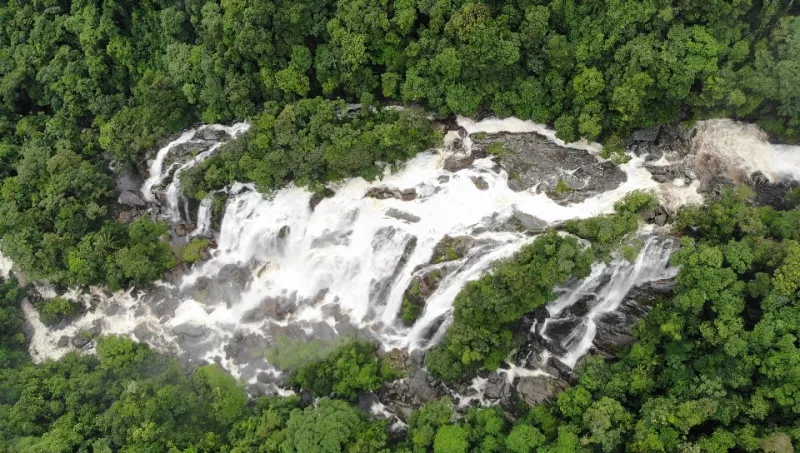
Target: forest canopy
87, 84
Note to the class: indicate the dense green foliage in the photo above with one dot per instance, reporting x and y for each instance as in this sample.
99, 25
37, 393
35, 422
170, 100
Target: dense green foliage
310, 142
348, 369
57, 309
487, 310
714, 369
12, 321
610, 233
342, 368
82, 83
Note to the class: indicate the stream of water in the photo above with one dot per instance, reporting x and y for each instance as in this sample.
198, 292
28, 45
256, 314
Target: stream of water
283, 268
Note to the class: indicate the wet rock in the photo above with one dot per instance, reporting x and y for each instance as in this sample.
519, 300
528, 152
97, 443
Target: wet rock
284, 231
272, 307
211, 134
81, 340
181, 230
408, 194
452, 248
323, 331
131, 198
402, 215
497, 386
660, 219
458, 162
366, 400
317, 198
531, 223
244, 347
410, 393
772, 194
233, 274
559, 369
534, 162
480, 183
539, 389
649, 135
142, 332
128, 179
332, 238
63, 342
189, 330
379, 289
443, 179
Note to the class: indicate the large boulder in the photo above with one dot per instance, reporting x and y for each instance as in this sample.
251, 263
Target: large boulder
539, 389
131, 198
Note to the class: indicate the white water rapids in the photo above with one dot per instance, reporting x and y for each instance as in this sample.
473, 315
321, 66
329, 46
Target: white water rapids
281, 268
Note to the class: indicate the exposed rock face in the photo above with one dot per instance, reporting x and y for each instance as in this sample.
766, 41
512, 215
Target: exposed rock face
531, 223
452, 248
402, 215
458, 162
497, 386
383, 192
480, 183
533, 162
411, 393
131, 198
539, 389
319, 196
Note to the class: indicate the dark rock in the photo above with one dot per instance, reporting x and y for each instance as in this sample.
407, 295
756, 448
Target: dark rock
539, 389
317, 198
533, 161
402, 215
284, 231
189, 330
458, 162
331, 238
497, 386
660, 219
480, 183
112, 309
646, 135
181, 230
443, 179
79, 341
323, 331
366, 400
63, 342
379, 289
559, 369
142, 332
408, 194
412, 392
211, 134
383, 193
233, 274
531, 223
271, 307
131, 198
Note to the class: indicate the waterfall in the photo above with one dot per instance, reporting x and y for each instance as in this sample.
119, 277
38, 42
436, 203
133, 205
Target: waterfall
285, 268
572, 334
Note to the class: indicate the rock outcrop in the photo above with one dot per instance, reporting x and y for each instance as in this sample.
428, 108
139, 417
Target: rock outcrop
533, 162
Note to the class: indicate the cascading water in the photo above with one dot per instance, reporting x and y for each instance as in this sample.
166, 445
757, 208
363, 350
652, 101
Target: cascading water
285, 268
571, 329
